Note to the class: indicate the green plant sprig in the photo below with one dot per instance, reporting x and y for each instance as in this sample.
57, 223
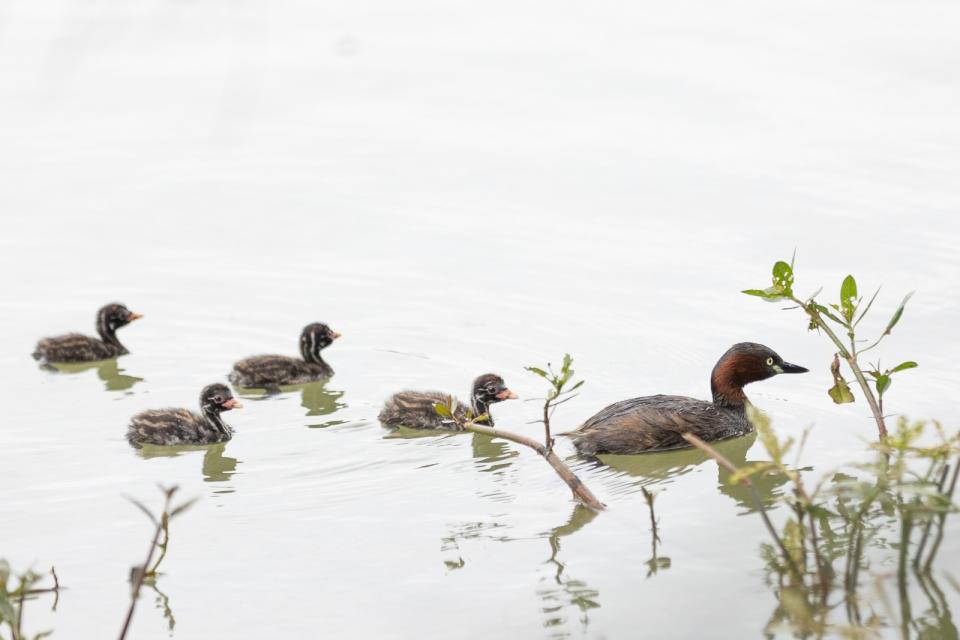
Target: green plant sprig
557, 382
466, 421
844, 316
12, 600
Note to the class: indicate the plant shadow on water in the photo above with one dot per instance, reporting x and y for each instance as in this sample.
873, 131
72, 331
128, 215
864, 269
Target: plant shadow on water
559, 592
216, 466
107, 370
661, 468
315, 397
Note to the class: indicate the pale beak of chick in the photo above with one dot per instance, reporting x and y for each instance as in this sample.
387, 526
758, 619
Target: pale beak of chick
335, 334
134, 316
232, 403
506, 394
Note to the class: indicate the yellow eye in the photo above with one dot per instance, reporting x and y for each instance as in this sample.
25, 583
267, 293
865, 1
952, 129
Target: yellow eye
769, 362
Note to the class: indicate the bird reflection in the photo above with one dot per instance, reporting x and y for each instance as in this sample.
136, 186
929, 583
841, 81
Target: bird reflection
320, 401
655, 468
315, 397
107, 370
216, 466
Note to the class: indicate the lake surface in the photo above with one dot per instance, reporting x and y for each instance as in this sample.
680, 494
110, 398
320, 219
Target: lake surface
457, 189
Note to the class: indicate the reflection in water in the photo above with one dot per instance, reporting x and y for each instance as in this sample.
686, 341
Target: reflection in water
559, 592
806, 614
162, 602
107, 370
656, 562
314, 397
655, 468
492, 454
320, 401
216, 466
450, 547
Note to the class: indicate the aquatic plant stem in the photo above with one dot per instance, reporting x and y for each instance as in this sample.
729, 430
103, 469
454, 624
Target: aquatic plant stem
929, 523
943, 517
758, 503
16, 631
141, 572
548, 439
580, 490
851, 359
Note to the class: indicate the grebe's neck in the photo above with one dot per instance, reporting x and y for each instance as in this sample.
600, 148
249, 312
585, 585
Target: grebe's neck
480, 408
214, 420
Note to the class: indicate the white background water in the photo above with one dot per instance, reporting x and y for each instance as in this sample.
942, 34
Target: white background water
457, 188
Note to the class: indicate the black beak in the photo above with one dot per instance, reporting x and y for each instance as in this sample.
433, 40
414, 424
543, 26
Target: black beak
786, 367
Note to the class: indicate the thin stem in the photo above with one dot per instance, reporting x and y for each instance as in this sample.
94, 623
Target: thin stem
580, 490
165, 523
141, 572
929, 523
548, 439
851, 358
905, 616
943, 518
16, 632
818, 558
758, 503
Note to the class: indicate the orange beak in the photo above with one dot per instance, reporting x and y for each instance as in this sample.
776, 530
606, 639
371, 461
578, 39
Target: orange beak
506, 394
335, 334
134, 316
232, 403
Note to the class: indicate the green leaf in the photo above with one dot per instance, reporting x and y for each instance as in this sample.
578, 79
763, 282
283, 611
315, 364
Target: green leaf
819, 511
761, 422
4, 574
783, 278
840, 393
848, 297
142, 507
748, 471
883, 383
770, 294
824, 311
904, 366
567, 361
6, 609
442, 410
897, 314
537, 370
183, 507
867, 308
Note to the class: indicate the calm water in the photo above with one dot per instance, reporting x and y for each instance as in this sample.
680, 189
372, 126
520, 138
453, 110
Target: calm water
457, 189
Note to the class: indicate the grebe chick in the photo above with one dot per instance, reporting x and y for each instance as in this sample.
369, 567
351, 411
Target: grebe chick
415, 409
273, 371
182, 426
75, 347
656, 423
